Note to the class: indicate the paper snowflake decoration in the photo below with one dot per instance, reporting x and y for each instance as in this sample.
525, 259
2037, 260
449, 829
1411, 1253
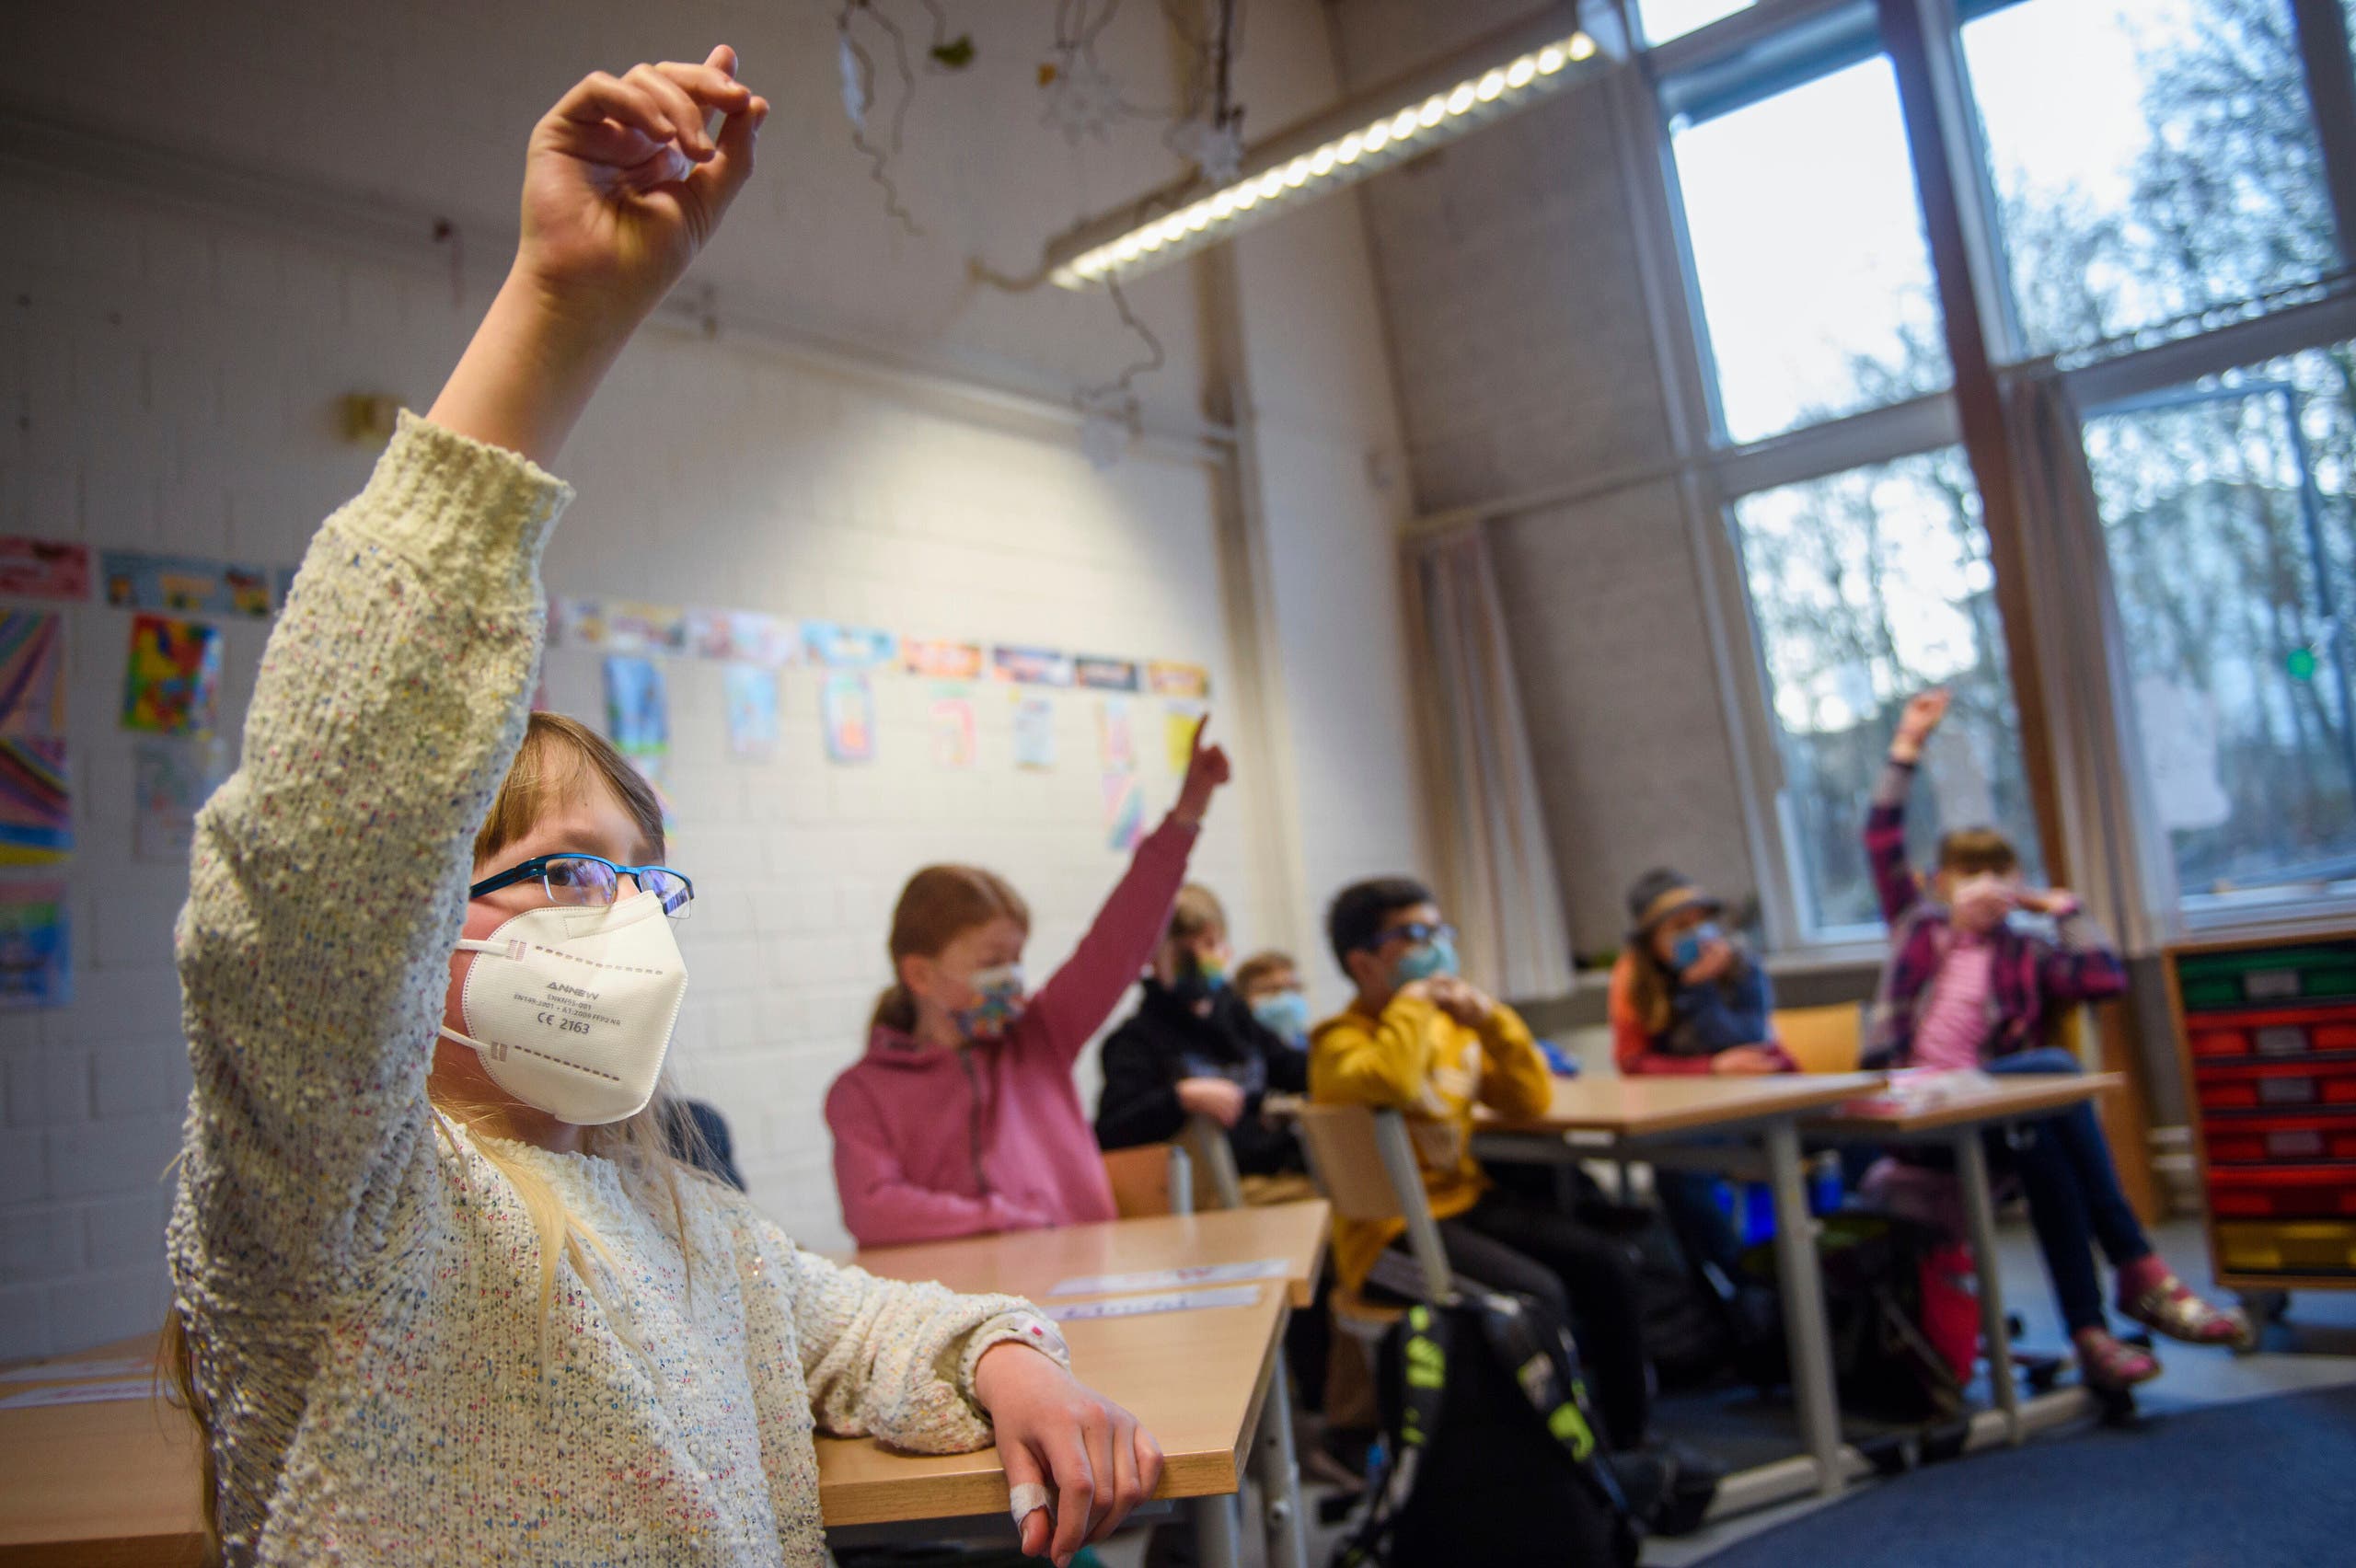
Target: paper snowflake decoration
1082, 97
1215, 150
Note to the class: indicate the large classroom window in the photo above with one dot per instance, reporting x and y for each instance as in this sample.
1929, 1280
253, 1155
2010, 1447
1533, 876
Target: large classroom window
1866, 587
1665, 19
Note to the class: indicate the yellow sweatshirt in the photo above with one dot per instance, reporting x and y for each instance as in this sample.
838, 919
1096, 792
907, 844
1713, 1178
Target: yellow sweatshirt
1415, 1059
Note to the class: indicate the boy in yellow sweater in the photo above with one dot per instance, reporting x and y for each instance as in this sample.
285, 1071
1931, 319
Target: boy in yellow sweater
1419, 1038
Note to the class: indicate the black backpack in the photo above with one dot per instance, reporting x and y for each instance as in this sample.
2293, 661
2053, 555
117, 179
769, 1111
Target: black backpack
1888, 1367
1494, 1455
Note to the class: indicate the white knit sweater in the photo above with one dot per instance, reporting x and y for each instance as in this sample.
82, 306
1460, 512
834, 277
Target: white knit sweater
361, 1295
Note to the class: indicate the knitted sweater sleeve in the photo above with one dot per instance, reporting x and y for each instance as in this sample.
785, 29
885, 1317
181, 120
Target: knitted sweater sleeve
328, 879
895, 1360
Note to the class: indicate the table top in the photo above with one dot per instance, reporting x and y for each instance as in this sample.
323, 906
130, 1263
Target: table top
1032, 1262
1631, 1106
2004, 1100
119, 1477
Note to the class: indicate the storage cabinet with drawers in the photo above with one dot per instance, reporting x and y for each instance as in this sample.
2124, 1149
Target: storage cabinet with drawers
2267, 1031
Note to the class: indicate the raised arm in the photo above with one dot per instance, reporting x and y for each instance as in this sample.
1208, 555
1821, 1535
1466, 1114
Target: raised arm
328, 877
1895, 882
1076, 999
882, 1208
2081, 966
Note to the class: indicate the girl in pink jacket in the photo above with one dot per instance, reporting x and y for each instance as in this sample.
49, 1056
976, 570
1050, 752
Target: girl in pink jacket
962, 1116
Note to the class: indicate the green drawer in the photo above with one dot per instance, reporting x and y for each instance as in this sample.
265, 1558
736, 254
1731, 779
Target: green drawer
2267, 974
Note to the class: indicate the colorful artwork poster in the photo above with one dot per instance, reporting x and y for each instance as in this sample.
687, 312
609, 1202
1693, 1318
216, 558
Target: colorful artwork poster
941, 660
1166, 677
45, 569
1032, 667
32, 673
189, 585
169, 780
840, 647
750, 691
1107, 674
1124, 811
576, 623
638, 706
1179, 722
847, 713
35, 813
956, 739
1034, 732
36, 967
744, 637
1116, 741
172, 685
632, 627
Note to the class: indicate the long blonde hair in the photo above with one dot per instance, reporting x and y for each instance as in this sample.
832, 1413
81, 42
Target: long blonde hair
940, 904
559, 756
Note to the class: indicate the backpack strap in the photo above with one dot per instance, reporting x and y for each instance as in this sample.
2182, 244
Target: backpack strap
1423, 1380
1544, 1364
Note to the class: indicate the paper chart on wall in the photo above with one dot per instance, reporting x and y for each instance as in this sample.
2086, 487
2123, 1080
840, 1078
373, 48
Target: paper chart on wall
745, 637
750, 691
172, 683
1105, 675
1171, 1279
1032, 667
1116, 740
45, 569
1034, 732
847, 713
1141, 1306
1171, 677
1179, 722
136, 581
170, 778
1124, 812
638, 708
941, 660
841, 647
36, 967
36, 812
955, 743
32, 673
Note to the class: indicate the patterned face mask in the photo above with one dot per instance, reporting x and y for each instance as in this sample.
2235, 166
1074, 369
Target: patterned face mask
1001, 1000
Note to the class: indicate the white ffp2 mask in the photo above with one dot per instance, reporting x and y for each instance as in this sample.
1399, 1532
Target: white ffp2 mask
571, 1006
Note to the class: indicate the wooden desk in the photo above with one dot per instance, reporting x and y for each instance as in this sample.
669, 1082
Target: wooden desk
1632, 1108
1032, 1262
112, 1484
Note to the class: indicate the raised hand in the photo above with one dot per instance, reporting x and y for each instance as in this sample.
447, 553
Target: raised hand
1922, 714
1206, 769
1462, 1000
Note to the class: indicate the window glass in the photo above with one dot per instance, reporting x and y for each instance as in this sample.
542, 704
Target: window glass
2151, 160
1866, 587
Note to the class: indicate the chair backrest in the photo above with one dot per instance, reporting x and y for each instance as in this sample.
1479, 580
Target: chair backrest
1365, 1164
1151, 1179
1217, 1183
1823, 1039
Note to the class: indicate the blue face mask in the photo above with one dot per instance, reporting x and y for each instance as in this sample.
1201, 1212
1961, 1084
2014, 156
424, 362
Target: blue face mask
1426, 961
1688, 950
1284, 1015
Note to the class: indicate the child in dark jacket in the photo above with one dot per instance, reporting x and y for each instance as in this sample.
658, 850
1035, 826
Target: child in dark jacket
1967, 988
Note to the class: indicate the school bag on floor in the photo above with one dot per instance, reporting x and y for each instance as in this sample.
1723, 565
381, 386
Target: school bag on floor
1494, 1455
1893, 1304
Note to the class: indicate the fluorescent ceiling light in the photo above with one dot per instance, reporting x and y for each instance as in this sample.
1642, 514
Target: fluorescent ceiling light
1507, 71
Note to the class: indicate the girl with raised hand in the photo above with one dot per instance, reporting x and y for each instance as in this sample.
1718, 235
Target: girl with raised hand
442, 1296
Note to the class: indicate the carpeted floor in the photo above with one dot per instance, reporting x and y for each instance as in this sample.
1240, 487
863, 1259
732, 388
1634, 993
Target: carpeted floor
2261, 1481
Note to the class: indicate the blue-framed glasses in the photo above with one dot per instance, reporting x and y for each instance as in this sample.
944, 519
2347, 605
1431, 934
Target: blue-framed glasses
1417, 932
593, 880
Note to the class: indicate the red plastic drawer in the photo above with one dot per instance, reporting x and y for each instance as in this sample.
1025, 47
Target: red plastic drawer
2259, 1085
2283, 1032
2282, 1191
2258, 1140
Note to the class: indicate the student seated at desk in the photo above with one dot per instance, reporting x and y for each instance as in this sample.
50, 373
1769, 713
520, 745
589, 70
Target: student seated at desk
1418, 1039
962, 1116
1270, 984
1687, 999
1965, 987
441, 1293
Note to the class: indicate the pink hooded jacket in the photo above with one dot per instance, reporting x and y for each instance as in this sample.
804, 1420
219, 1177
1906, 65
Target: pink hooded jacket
932, 1143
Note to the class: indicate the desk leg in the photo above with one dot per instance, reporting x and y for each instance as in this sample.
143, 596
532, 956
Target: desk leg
1217, 1542
1805, 1336
1979, 1209
1280, 1470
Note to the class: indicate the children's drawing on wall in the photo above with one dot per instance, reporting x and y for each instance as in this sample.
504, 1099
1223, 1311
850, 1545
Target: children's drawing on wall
32, 673
840, 647
172, 683
847, 713
941, 660
638, 711
1124, 811
36, 970
170, 778
744, 637
751, 694
1170, 678
1034, 732
1032, 666
136, 581
1105, 675
1116, 741
1179, 722
45, 569
35, 813
955, 743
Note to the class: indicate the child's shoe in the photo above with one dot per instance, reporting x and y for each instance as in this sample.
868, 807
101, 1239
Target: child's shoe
2165, 1303
2108, 1363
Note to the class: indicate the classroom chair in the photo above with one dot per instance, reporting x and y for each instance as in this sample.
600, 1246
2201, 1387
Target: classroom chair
1217, 1183
1823, 1039
1365, 1164
1152, 1179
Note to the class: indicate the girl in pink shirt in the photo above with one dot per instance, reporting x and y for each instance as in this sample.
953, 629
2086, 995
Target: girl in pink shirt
962, 1116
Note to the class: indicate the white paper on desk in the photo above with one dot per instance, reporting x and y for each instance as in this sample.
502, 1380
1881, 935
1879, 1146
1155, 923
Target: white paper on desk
1171, 1279
1167, 1301
82, 1394
1912, 1091
52, 1371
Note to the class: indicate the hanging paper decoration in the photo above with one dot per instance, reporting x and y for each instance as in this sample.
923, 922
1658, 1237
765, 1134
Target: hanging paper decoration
136, 581
45, 569
36, 969
638, 710
169, 780
1179, 722
1105, 675
1082, 97
1124, 811
1032, 666
955, 743
744, 636
751, 694
1166, 677
36, 815
846, 710
843, 647
943, 661
1034, 732
618, 626
1117, 744
32, 673
1216, 151
172, 683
